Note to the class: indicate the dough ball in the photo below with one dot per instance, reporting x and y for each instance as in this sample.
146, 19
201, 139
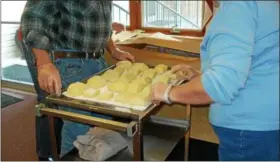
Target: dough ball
139, 66
161, 68
111, 75
135, 71
141, 74
122, 98
124, 64
142, 80
90, 93
137, 100
120, 70
150, 70
150, 73
127, 77
117, 86
135, 88
146, 92
96, 82
76, 89
106, 96
163, 79
172, 76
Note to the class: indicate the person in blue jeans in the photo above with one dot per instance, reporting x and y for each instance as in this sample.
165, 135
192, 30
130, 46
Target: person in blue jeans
67, 40
239, 78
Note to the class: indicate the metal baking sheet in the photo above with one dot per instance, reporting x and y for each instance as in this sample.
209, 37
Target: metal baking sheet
117, 105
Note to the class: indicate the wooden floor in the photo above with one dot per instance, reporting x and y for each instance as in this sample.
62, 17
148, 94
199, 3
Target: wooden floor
17, 129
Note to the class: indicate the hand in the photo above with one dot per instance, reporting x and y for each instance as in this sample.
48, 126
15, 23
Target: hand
118, 27
49, 78
184, 71
157, 92
122, 55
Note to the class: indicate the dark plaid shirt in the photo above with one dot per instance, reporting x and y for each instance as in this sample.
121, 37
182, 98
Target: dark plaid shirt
83, 25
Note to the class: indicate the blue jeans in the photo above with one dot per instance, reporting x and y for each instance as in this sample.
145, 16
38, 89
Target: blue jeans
73, 70
241, 145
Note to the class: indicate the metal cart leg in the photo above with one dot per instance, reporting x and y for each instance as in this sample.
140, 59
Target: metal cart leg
53, 138
186, 143
187, 134
138, 152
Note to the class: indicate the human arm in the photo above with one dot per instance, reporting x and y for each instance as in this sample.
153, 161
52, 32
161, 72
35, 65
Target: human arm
118, 54
184, 71
34, 27
118, 27
191, 93
230, 45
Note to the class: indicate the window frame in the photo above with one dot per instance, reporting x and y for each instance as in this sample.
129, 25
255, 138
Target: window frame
136, 21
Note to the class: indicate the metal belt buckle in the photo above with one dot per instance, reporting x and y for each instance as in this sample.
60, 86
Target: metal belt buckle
68, 55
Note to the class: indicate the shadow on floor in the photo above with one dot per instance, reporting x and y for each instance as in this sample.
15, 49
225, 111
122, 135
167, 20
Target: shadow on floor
7, 100
198, 151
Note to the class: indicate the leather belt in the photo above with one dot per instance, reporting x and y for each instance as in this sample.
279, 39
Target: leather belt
83, 55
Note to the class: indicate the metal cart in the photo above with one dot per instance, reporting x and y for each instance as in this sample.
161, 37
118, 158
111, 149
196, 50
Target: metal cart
150, 137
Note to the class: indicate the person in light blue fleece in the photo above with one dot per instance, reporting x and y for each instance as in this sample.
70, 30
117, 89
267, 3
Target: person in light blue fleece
239, 78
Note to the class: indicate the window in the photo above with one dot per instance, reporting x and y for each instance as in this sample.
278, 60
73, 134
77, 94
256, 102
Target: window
11, 10
13, 65
120, 12
168, 14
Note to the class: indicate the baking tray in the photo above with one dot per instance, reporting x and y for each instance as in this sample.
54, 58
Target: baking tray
112, 102
104, 107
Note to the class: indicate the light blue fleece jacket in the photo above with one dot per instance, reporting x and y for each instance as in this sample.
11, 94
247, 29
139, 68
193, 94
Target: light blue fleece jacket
240, 65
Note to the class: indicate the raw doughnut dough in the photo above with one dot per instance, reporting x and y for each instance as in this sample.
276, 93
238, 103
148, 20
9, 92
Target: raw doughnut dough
122, 98
90, 93
105, 96
76, 89
124, 64
153, 71
163, 79
171, 75
146, 92
137, 100
120, 70
139, 66
135, 87
142, 80
96, 82
161, 68
111, 75
127, 77
135, 71
117, 86
150, 73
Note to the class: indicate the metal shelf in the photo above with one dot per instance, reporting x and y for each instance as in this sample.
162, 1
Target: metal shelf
159, 141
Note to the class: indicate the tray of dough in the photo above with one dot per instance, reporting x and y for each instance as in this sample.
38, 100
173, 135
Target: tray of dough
124, 85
